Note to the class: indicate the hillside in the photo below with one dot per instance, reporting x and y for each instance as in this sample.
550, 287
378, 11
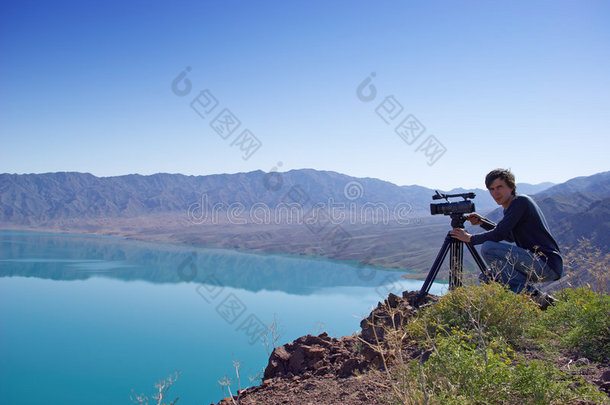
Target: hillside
579, 208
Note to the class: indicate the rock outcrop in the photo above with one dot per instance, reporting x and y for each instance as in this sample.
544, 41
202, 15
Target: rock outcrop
343, 357
316, 355
320, 362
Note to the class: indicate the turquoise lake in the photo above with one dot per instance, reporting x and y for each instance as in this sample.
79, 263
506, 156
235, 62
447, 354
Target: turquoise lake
88, 319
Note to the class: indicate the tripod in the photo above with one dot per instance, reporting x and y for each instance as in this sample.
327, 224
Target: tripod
455, 248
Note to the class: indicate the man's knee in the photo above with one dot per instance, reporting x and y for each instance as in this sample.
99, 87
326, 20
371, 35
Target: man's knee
494, 254
488, 249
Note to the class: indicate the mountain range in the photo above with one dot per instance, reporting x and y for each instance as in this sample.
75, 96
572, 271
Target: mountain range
386, 224
44, 199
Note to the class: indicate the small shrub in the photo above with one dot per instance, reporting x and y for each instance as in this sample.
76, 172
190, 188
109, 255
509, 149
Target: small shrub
484, 312
459, 372
581, 321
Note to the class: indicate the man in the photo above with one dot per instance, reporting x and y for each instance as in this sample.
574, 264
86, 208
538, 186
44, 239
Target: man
535, 258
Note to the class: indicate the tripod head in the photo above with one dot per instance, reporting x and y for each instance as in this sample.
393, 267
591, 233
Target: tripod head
457, 220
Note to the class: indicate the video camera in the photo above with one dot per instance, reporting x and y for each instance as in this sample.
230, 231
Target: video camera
452, 208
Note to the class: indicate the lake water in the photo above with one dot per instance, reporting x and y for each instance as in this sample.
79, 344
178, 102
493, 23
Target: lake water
88, 319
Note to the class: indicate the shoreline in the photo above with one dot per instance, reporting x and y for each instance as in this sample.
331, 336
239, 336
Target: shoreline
319, 258
386, 246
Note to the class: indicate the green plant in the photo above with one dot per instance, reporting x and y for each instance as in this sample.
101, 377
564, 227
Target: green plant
580, 321
459, 372
474, 340
482, 312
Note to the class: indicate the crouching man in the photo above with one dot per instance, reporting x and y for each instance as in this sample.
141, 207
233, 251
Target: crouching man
535, 258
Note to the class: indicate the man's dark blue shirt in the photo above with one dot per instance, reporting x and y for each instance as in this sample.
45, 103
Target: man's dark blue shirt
524, 224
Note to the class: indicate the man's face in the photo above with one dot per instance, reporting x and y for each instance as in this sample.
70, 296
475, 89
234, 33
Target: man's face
500, 192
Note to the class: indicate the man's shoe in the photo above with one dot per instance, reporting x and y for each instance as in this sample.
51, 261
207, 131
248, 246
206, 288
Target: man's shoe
542, 299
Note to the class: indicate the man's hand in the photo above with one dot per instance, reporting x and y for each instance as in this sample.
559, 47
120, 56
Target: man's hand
460, 234
475, 219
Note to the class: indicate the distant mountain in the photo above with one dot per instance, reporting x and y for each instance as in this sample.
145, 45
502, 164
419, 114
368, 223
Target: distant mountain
593, 223
35, 199
579, 208
43, 199
597, 184
529, 189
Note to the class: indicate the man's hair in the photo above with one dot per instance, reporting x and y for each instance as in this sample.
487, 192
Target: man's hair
502, 174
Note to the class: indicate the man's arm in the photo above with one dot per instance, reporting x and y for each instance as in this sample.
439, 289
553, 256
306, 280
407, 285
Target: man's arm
503, 230
476, 219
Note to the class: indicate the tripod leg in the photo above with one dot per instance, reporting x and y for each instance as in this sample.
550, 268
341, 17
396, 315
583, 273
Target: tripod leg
461, 263
456, 265
435, 268
477, 258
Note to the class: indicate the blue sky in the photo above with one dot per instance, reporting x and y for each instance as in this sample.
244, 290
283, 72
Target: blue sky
87, 86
